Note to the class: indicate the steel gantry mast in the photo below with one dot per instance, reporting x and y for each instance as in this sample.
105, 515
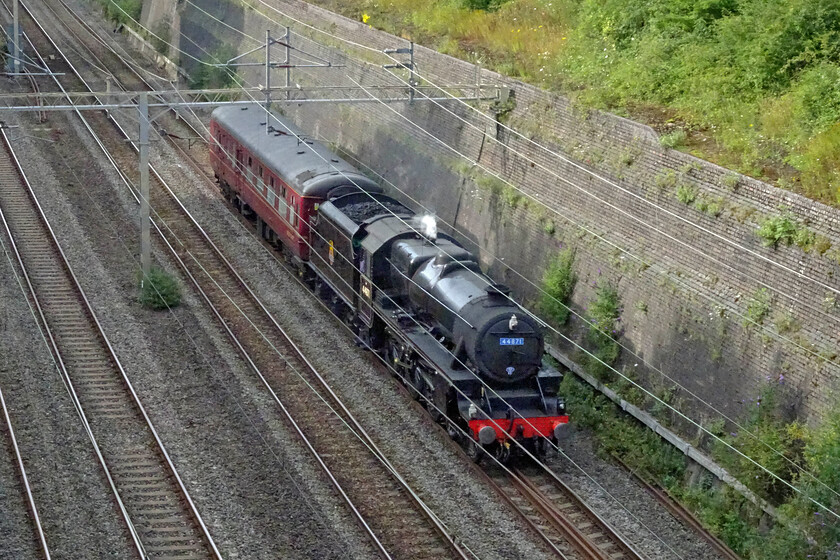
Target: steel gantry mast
143, 101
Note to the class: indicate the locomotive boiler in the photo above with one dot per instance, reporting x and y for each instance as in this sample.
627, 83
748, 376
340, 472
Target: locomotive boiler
417, 297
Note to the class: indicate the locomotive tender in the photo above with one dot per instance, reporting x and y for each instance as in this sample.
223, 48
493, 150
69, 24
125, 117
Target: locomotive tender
417, 297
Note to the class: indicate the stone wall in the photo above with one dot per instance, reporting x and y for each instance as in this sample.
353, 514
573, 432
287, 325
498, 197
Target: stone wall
592, 181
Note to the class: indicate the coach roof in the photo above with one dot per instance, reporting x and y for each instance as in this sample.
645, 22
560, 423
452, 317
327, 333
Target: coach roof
311, 169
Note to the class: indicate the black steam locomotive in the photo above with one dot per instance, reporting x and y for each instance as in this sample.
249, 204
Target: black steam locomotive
416, 296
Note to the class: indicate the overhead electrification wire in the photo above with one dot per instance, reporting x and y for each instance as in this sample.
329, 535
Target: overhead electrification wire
617, 501
379, 457
692, 421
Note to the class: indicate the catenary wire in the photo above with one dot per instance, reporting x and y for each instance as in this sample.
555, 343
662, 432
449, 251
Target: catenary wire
380, 458
558, 155
694, 422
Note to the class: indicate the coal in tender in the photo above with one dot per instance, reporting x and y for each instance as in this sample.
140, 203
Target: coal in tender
361, 211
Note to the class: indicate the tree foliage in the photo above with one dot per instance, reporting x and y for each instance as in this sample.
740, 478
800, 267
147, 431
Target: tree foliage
761, 78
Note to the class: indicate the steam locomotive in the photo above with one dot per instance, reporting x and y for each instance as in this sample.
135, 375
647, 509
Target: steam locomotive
412, 294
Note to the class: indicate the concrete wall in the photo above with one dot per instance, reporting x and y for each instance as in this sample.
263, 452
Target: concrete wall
607, 188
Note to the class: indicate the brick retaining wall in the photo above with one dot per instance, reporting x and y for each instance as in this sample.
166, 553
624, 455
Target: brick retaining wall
684, 275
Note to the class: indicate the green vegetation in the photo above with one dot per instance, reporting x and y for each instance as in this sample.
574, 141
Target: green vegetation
215, 77
711, 205
730, 181
782, 228
159, 290
122, 11
808, 531
619, 434
751, 84
558, 284
776, 229
686, 193
675, 139
161, 37
549, 227
757, 308
604, 314
766, 423
666, 180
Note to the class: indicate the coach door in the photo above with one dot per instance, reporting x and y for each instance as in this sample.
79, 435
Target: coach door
365, 289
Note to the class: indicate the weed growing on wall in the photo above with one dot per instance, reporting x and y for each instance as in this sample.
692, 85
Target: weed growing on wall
757, 307
782, 228
162, 36
686, 194
777, 229
159, 290
558, 284
604, 314
215, 77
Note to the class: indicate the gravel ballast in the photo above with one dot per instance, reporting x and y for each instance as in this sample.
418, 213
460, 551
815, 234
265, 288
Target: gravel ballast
75, 504
249, 478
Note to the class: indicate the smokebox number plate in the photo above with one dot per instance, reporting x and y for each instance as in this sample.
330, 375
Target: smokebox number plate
511, 342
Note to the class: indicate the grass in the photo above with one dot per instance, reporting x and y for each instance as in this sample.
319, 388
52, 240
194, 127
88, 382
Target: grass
753, 85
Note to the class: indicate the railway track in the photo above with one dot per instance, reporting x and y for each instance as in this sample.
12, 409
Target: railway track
559, 516
555, 527
680, 512
7, 428
155, 505
399, 523
564, 522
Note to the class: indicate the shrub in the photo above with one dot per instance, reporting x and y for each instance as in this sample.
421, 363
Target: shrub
776, 229
603, 314
686, 194
162, 36
558, 284
215, 77
159, 290
122, 11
